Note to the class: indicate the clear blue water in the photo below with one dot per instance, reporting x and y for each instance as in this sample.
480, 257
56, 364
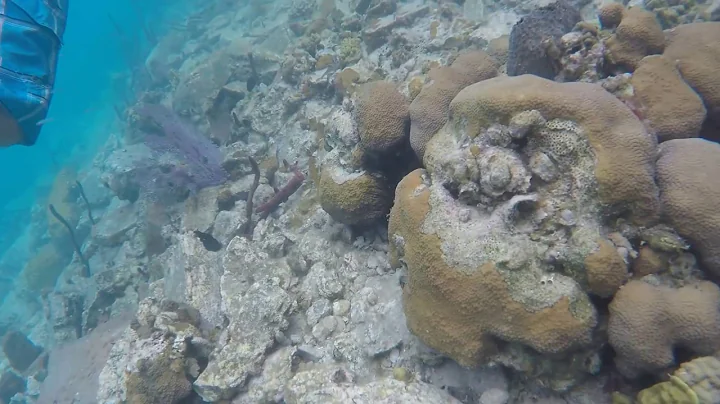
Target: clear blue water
81, 115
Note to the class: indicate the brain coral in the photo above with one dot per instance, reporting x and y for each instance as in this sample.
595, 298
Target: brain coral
672, 109
611, 14
638, 35
503, 235
647, 322
382, 116
688, 173
696, 50
428, 111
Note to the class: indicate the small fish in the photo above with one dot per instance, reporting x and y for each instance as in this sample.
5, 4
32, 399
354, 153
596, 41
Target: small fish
209, 242
44, 121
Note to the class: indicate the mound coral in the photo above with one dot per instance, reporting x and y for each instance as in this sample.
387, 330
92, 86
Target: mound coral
461, 307
610, 15
353, 198
638, 35
672, 109
647, 322
428, 111
695, 48
623, 152
382, 117
504, 234
688, 173
353, 185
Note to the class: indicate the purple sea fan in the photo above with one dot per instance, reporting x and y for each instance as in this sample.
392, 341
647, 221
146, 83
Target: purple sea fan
199, 159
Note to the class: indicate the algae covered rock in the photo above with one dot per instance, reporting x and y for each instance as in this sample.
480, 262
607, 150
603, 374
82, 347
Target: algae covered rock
63, 197
583, 120
531, 36
336, 385
354, 198
44, 268
157, 357
159, 380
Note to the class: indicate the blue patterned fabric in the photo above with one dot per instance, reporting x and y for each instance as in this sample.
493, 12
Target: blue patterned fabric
31, 34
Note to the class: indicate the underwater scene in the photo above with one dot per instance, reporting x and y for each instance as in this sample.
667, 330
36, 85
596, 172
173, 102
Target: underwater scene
360, 201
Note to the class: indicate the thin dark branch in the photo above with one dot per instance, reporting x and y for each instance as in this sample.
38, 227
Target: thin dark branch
86, 264
249, 226
87, 202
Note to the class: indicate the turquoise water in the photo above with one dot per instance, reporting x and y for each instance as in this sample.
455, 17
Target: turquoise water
230, 208
92, 64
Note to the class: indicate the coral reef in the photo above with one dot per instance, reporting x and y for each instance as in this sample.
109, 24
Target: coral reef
446, 233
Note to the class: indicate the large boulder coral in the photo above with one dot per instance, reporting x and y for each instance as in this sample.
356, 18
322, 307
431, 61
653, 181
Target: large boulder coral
382, 117
638, 35
688, 173
353, 198
504, 235
428, 111
610, 15
647, 322
671, 108
460, 300
695, 48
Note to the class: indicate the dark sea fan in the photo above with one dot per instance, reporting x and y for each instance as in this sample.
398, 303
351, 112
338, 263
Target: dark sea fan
199, 160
